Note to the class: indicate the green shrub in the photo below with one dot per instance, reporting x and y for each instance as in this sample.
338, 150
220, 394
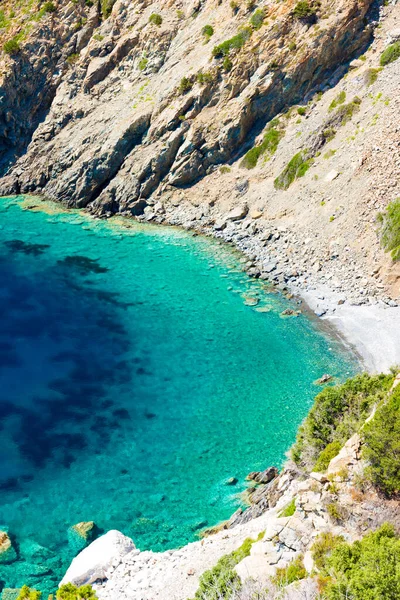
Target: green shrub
227, 64
391, 54
368, 569
234, 43
304, 11
72, 58
297, 167
301, 111
185, 85
335, 511
345, 112
71, 592
257, 18
27, 593
207, 31
323, 547
371, 75
142, 64
326, 456
337, 413
382, 445
390, 229
269, 145
289, 510
221, 581
106, 7
295, 571
155, 19
204, 78
12, 46
340, 98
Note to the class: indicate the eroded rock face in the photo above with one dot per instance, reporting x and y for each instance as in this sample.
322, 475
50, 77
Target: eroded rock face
93, 563
7, 552
121, 125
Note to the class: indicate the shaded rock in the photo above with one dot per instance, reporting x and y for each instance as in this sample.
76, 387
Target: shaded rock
231, 481
237, 213
324, 379
94, 561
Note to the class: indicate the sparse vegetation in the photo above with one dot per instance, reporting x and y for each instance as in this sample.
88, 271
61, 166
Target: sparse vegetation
27, 593
234, 43
371, 75
297, 167
268, 146
185, 85
295, 571
301, 111
12, 46
391, 54
337, 413
326, 456
390, 229
227, 64
340, 98
207, 31
220, 581
289, 510
304, 11
257, 18
156, 19
142, 64
106, 7
71, 592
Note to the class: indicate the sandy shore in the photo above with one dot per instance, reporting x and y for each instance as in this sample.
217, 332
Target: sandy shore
372, 330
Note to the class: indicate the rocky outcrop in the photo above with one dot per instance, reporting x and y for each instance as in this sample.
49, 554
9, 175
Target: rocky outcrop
121, 123
94, 562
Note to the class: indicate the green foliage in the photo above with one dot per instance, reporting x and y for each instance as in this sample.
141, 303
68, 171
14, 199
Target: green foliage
345, 112
326, 456
304, 11
234, 6
301, 111
205, 77
227, 64
296, 168
224, 169
337, 413
185, 85
335, 511
289, 510
369, 569
340, 98
287, 575
49, 7
268, 146
234, 43
371, 75
390, 229
391, 54
71, 592
27, 593
142, 64
72, 58
257, 18
106, 7
207, 31
323, 547
221, 581
12, 46
382, 445
155, 19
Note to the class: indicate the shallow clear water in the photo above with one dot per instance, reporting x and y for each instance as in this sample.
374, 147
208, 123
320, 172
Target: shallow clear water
135, 381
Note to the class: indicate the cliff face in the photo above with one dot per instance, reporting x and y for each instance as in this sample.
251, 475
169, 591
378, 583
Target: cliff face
141, 105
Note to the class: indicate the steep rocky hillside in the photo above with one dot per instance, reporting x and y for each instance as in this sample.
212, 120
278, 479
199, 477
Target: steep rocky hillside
168, 112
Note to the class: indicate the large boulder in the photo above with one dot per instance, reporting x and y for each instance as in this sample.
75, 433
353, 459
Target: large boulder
93, 562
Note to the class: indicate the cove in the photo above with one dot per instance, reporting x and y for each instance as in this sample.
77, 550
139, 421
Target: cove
140, 369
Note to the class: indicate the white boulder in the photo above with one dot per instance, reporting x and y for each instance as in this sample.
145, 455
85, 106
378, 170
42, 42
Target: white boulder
94, 561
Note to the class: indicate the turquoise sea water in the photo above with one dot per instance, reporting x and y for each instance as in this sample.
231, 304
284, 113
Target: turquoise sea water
134, 381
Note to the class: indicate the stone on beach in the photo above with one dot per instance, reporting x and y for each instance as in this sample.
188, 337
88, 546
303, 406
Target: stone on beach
94, 562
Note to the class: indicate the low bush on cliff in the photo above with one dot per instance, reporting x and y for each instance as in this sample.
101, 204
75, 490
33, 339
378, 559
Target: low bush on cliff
296, 168
326, 456
268, 146
382, 446
257, 18
27, 593
155, 19
337, 413
304, 11
391, 54
295, 571
365, 570
106, 7
12, 46
234, 43
65, 592
221, 581
390, 229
